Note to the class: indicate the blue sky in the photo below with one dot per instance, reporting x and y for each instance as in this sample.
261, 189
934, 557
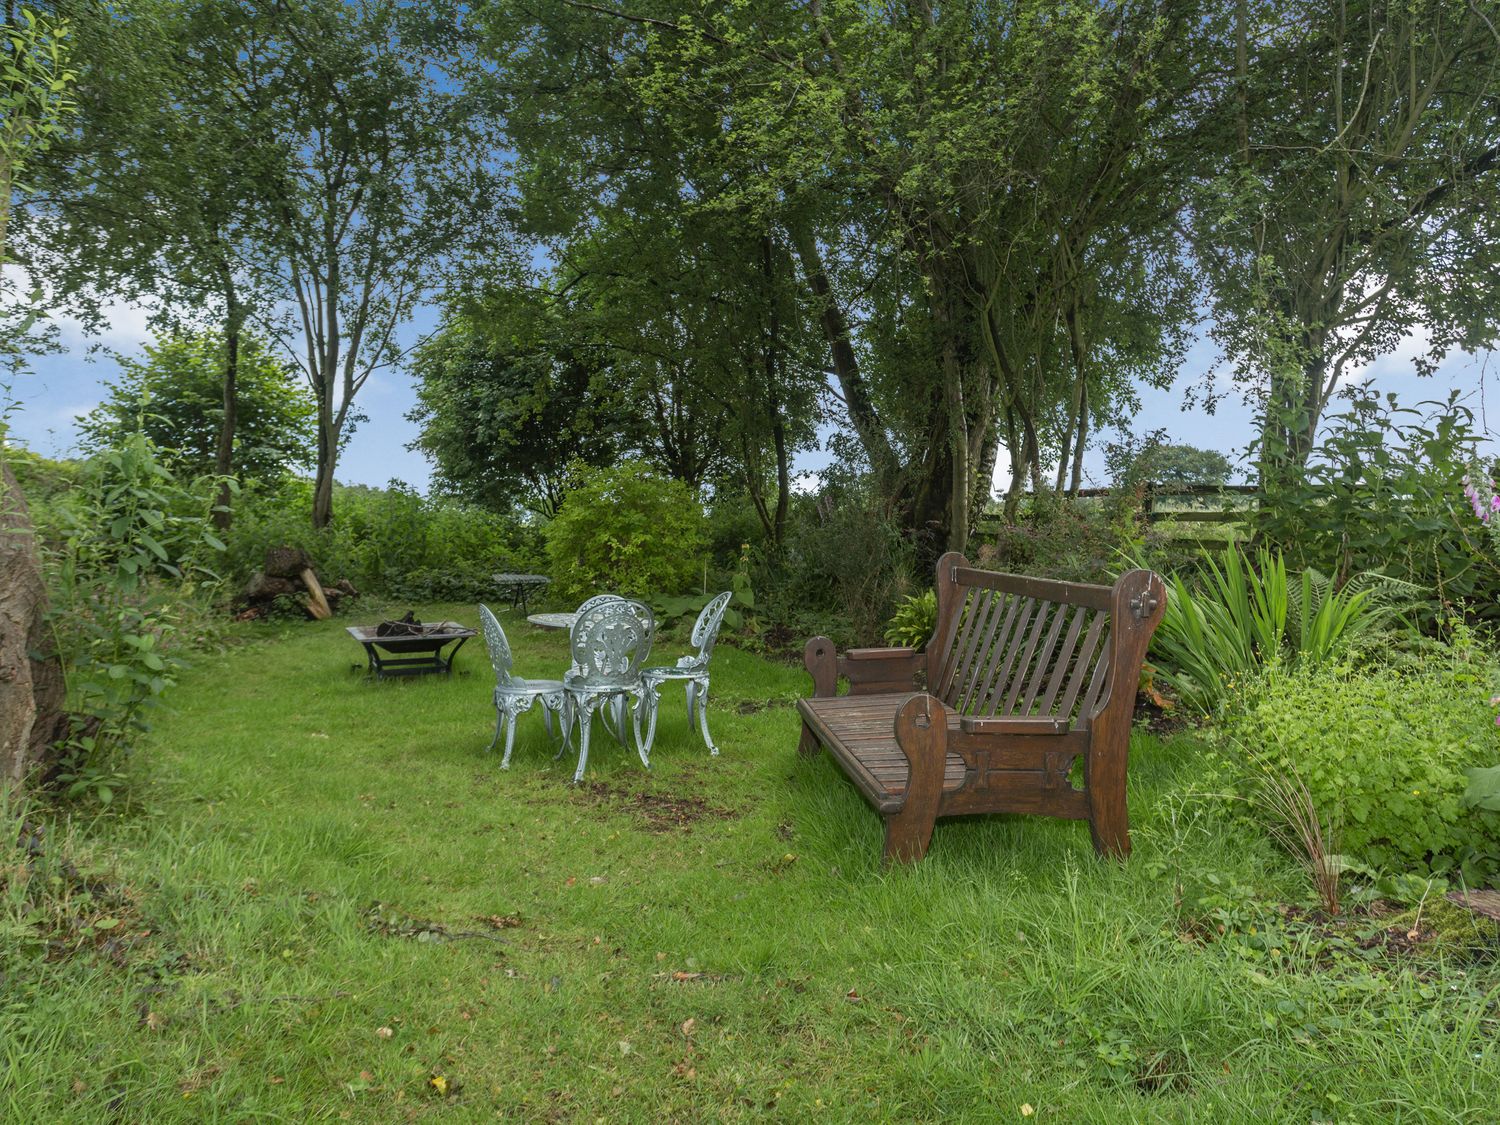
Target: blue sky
62, 386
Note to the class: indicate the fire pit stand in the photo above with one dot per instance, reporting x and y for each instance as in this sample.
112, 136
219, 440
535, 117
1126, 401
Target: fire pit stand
396, 659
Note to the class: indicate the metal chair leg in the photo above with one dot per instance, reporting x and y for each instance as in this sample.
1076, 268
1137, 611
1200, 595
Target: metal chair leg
644, 702
651, 700
510, 740
583, 742
703, 720
499, 724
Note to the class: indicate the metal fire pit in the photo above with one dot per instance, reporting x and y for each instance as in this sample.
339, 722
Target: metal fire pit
391, 655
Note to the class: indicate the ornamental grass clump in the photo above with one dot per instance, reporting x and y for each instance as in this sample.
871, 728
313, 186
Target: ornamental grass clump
1219, 633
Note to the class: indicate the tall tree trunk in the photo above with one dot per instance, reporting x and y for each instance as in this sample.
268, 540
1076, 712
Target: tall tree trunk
1083, 438
234, 321
322, 509
33, 719
835, 325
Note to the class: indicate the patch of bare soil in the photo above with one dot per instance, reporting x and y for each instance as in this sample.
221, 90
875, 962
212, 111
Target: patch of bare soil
755, 706
658, 812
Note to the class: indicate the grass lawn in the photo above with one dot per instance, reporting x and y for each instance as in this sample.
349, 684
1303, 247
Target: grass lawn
331, 904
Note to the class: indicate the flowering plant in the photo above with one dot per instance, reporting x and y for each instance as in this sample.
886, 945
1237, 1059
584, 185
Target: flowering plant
1484, 499
1480, 492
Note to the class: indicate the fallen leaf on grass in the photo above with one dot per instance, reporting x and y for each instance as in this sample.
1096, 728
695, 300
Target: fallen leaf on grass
853, 997
384, 1032
197, 1080
688, 1026
155, 1021
440, 1084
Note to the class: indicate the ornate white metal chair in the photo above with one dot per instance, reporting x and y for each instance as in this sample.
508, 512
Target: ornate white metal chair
693, 670
609, 641
515, 696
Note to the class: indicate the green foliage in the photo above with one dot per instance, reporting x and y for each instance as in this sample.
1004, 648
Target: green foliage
129, 554
506, 409
1383, 494
175, 395
1238, 618
1384, 753
627, 530
914, 620
1179, 464
736, 613
1483, 791
390, 541
843, 566
1075, 541
36, 95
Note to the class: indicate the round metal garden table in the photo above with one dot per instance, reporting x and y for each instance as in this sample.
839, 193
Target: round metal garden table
559, 621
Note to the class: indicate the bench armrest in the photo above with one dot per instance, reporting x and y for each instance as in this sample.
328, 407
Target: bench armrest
873, 671
869, 671
1013, 724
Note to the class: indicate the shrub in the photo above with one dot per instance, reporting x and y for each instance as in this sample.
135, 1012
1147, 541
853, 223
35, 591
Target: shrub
386, 540
128, 551
842, 569
627, 530
1383, 493
1383, 754
914, 620
1076, 541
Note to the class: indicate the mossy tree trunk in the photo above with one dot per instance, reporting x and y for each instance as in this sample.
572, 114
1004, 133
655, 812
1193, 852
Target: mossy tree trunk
32, 715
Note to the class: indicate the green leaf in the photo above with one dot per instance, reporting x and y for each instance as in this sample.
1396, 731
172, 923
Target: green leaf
1484, 788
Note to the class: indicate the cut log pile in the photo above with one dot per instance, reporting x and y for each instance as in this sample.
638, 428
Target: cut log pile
289, 573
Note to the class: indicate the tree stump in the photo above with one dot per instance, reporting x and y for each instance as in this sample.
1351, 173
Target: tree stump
287, 562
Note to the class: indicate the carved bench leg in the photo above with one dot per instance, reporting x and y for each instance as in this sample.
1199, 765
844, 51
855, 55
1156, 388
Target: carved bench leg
820, 659
808, 745
1109, 820
922, 734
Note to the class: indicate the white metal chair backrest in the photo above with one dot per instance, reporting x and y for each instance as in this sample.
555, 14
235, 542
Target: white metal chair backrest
597, 599
610, 641
494, 640
706, 631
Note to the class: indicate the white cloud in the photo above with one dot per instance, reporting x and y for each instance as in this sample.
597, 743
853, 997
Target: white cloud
125, 324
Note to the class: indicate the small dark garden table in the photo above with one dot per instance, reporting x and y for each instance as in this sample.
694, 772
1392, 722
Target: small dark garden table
519, 587
430, 642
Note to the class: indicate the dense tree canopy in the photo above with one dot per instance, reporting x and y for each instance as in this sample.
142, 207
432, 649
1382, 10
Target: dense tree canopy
174, 394
712, 236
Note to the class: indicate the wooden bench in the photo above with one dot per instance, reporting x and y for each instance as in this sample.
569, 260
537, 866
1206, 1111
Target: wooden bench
1022, 675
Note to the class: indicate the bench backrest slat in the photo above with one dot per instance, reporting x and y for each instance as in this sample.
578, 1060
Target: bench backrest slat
977, 610
1089, 655
1007, 650
1042, 666
1062, 666
1013, 645
1004, 612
